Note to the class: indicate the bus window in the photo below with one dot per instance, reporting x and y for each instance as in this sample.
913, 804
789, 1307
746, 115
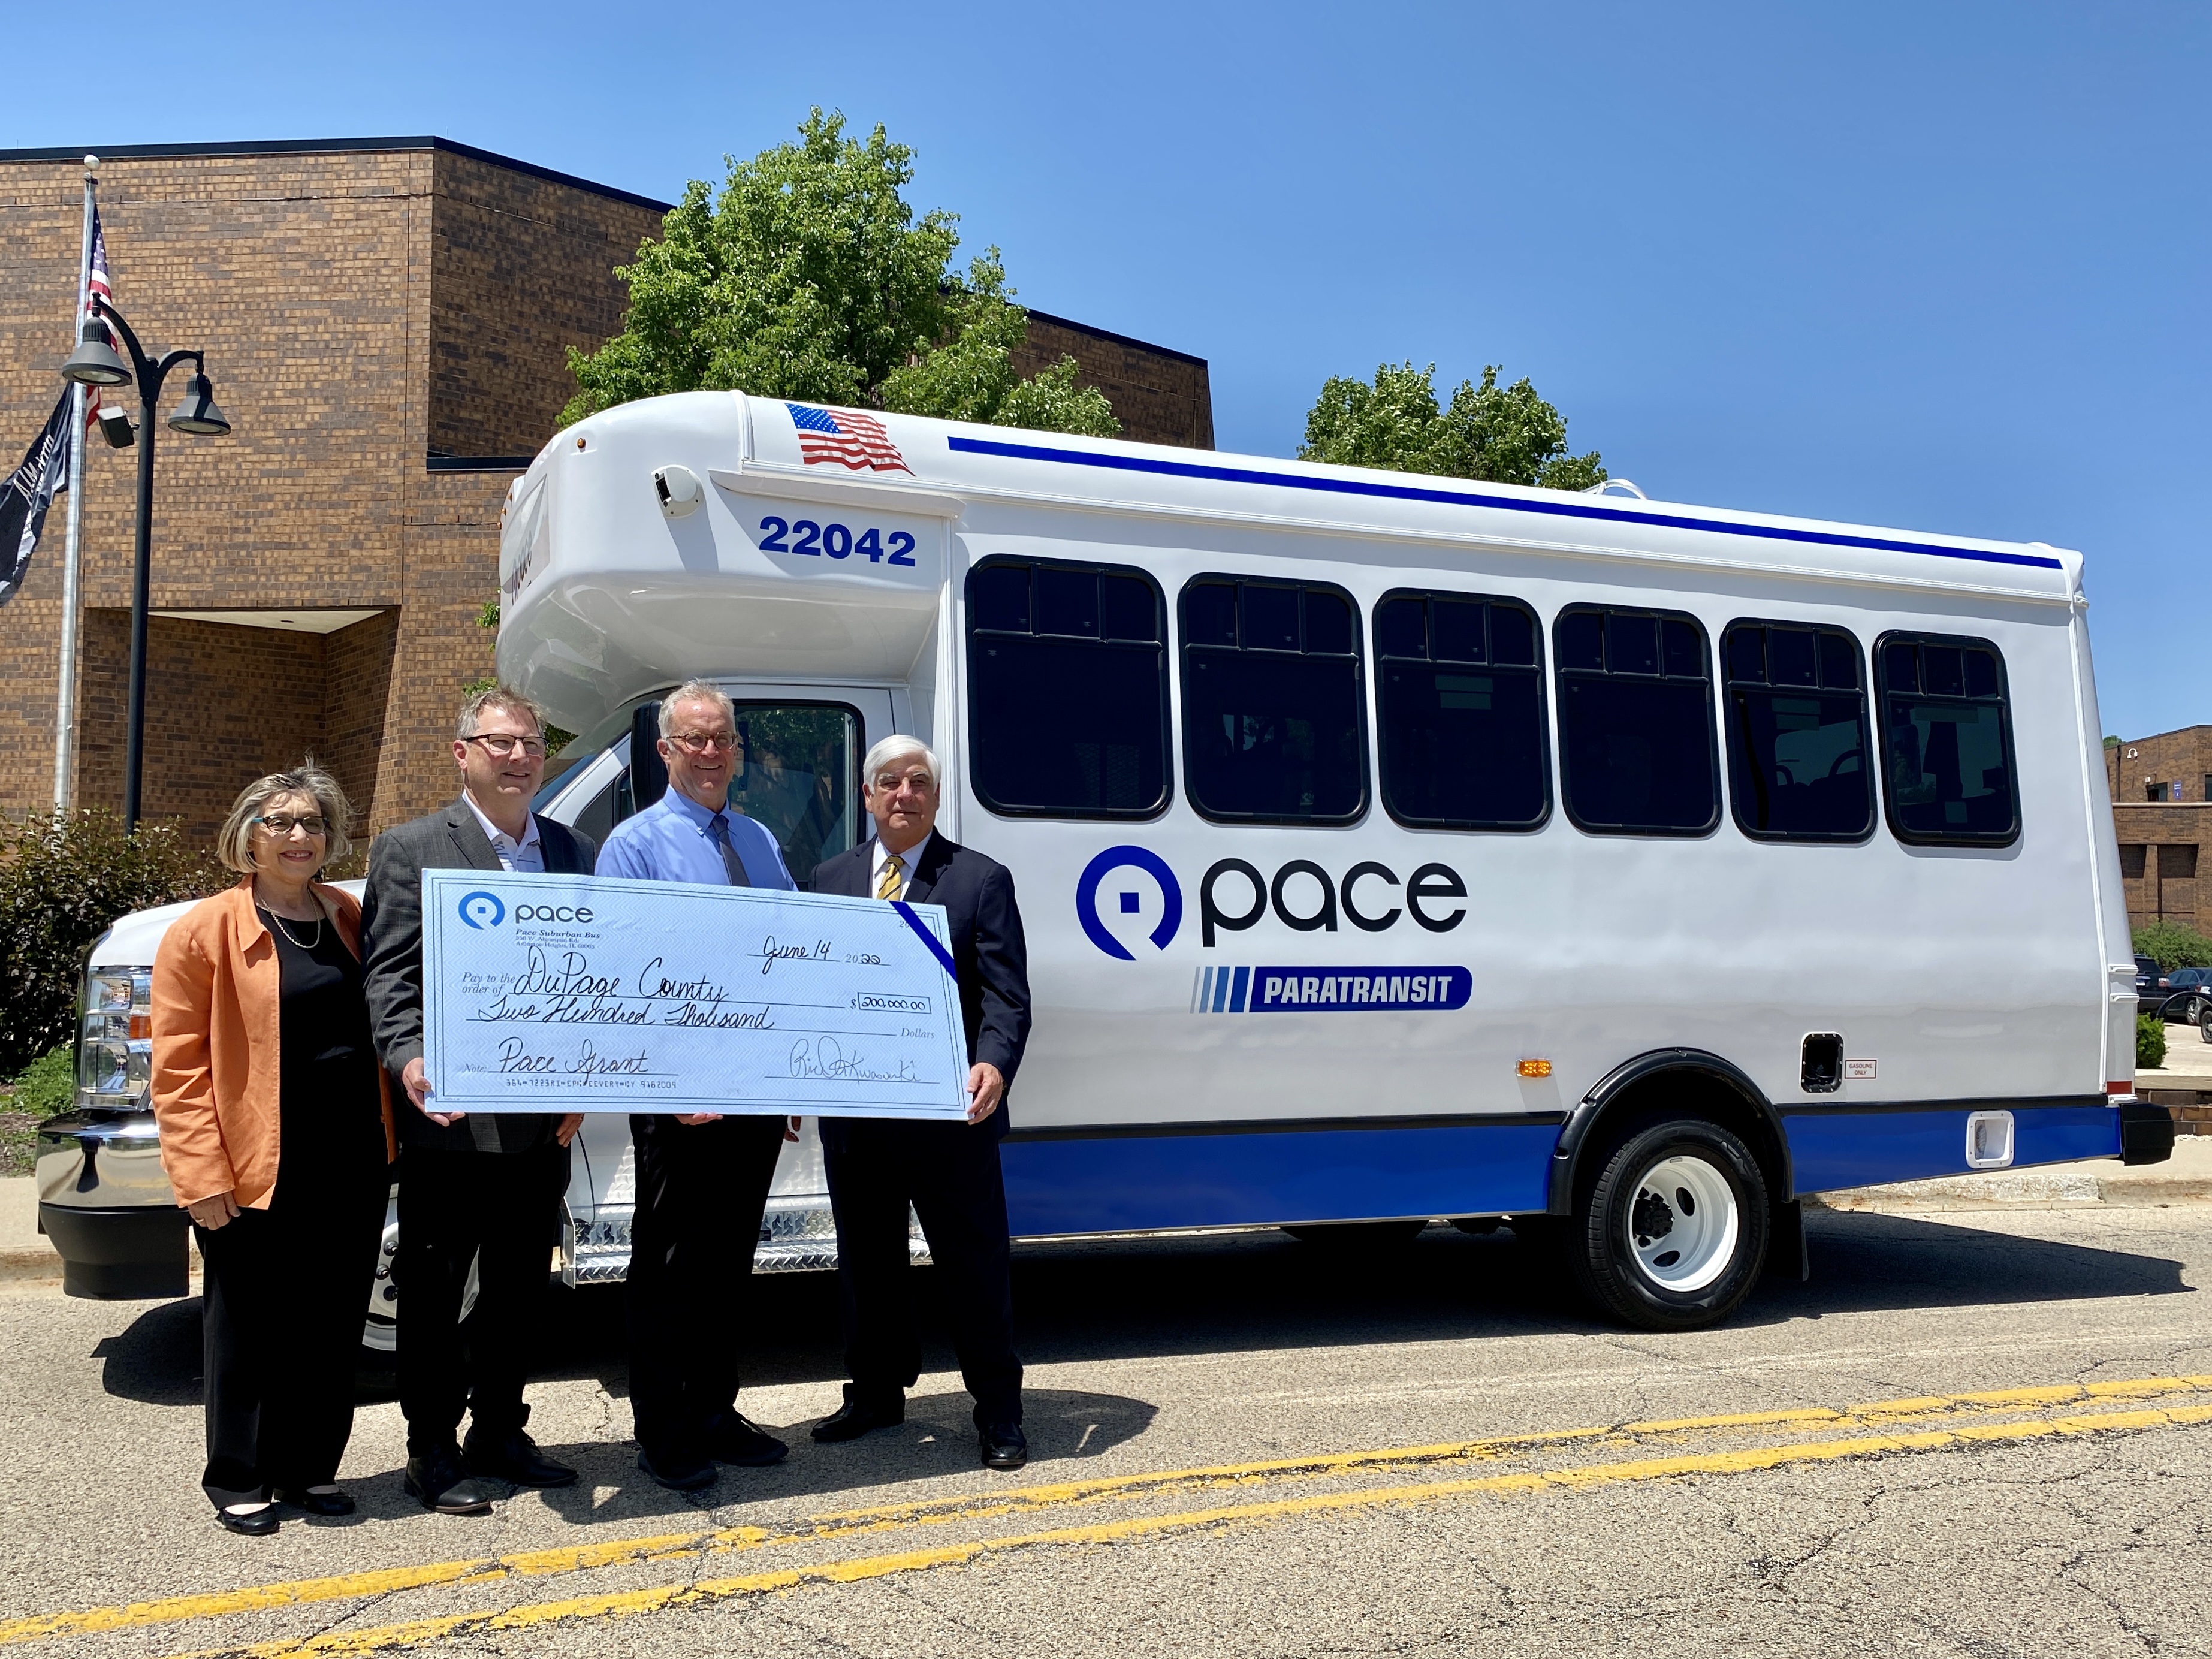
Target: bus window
801, 778
1273, 730
1796, 710
1460, 704
1946, 740
1636, 756
1067, 683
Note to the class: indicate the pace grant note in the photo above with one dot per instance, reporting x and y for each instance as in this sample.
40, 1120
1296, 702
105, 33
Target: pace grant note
588, 994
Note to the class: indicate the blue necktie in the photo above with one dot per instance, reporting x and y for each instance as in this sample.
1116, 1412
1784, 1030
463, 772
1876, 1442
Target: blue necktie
718, 831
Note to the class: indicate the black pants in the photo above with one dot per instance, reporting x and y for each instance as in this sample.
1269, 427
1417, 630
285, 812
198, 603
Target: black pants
283, 1303
502, 1211
950, 1173
701, 1188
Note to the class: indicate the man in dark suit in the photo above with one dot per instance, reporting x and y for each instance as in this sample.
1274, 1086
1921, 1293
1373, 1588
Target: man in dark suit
485, 1188
948, 1172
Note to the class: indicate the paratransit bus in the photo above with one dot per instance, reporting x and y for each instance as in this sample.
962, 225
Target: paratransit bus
1391, 849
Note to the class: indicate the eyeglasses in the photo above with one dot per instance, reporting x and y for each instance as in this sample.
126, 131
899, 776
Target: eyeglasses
501, 745
282, 823
698, 743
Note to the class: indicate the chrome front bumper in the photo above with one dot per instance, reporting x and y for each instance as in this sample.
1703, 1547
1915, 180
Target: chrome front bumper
106, 1203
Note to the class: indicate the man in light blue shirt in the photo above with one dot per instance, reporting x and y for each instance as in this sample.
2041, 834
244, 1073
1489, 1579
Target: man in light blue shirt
703, 1177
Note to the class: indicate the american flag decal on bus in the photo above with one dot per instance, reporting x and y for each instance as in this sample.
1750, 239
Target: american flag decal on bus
846, 436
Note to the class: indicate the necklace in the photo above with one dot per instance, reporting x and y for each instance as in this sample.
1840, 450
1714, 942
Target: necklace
304, 945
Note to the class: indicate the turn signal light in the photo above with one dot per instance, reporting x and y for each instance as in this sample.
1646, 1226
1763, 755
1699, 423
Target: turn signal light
1534, 1069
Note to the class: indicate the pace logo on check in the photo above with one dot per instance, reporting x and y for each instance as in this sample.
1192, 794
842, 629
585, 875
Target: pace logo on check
1330, 990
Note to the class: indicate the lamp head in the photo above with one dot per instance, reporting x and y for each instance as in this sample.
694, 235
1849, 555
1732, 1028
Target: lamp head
94, 363
197, 413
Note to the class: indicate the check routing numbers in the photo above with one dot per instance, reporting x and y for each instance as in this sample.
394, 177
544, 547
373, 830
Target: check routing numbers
835, 541
618, 995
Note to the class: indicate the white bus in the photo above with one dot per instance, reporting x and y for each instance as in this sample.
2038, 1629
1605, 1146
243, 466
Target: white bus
1390, 849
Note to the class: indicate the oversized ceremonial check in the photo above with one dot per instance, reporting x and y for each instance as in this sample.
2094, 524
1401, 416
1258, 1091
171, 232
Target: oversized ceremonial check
575, 993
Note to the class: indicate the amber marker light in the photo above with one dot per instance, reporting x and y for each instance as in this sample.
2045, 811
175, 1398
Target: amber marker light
1534, 1069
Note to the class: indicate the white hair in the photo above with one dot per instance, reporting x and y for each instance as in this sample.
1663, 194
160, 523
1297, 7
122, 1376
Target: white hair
890, 749
695, 691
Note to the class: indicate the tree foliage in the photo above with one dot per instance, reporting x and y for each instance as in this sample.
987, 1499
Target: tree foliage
809, 277
2174, 946
64, 877
1500, 434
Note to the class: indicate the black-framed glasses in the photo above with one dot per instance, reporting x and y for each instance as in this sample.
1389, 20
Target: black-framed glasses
698, 743
502, 745
282, 823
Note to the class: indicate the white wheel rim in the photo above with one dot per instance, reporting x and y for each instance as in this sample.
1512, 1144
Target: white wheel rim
1682, 1223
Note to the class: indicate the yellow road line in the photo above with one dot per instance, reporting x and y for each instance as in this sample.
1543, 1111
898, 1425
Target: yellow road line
545, 1563
663, 1597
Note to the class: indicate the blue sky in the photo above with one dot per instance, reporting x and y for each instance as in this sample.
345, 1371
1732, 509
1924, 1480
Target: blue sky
1942, 267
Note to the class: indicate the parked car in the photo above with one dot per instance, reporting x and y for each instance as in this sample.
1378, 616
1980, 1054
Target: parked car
2151, 986
2197, 983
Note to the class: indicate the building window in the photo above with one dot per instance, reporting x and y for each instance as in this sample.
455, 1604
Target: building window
1796, 710
1273, 711
1947, 741
2177, 863
1067, 680
1460, 705
1636, 756
2132, 862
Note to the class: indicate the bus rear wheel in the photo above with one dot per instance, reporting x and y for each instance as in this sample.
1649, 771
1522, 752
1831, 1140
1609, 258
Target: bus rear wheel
1674, 1234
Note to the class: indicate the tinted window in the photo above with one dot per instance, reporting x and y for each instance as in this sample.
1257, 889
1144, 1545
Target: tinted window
1460, 699
801, 778
1796, 711
1636, 722
1946, 740
1272, 726
1068, 680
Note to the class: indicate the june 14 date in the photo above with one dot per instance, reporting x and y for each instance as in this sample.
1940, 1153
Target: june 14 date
836, 540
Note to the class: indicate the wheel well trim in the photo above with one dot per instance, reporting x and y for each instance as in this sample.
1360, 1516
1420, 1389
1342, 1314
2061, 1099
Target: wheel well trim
1574, 1132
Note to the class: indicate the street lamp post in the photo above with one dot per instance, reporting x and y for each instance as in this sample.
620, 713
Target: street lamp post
94, 363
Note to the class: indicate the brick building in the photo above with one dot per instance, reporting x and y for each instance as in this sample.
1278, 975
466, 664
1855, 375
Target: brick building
386, 322
2161, 790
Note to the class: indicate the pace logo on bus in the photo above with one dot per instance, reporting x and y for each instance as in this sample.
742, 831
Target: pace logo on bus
1234, 895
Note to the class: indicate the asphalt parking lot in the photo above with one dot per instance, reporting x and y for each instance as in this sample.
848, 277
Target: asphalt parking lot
1973, 1433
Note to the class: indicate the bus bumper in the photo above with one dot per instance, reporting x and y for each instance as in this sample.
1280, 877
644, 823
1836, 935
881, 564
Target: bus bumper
2146, 1133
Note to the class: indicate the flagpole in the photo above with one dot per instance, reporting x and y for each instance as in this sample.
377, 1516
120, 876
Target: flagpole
65, 698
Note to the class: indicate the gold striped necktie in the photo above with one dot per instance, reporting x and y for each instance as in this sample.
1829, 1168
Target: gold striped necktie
890, 885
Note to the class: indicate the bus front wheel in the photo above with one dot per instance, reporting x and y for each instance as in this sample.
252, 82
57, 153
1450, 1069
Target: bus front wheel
1673, 1233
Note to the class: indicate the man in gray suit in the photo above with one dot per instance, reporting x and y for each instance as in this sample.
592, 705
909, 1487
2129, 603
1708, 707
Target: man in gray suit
484, 1188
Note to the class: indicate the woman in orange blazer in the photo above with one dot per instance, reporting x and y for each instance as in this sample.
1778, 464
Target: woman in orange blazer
275, 1126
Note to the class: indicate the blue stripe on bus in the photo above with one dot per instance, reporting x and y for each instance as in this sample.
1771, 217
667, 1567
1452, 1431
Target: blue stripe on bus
1832, 1149
1236, 991
1136, 1183
1563, 509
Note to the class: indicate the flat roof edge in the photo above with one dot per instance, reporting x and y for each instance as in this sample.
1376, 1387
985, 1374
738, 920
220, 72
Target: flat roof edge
1108, 334
325, 147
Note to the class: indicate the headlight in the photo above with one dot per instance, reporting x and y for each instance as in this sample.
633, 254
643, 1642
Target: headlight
115, 1051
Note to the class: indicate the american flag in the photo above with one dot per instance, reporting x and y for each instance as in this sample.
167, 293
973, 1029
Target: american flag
849, 438
96, 287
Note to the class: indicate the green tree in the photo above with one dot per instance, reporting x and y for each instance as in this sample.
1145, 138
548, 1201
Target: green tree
809, 277
1500, 434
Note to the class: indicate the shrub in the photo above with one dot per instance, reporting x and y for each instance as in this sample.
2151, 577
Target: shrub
2150, 1041
48, 1083
2174, 946
64, 877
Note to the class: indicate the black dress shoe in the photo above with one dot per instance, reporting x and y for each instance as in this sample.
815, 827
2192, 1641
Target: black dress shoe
315, 1503
856, 1417
513, 1458
441, 1483
738, 1440
1005, 1446
678, 1473
254, 1523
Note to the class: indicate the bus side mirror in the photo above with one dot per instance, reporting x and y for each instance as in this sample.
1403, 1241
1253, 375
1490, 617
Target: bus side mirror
648, 773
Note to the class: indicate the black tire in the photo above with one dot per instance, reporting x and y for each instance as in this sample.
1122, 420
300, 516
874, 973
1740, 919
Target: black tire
1697, 1249
1356, 1234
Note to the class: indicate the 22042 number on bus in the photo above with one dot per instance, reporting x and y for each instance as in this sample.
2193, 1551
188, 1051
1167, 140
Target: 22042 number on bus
835, 541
